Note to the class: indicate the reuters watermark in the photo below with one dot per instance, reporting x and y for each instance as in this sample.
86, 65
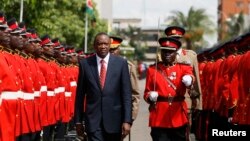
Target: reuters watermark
228, 133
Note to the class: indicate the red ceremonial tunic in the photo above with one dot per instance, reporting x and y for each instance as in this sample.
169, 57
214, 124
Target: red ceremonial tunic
167, 114
47, 101
38, 82
10, 84
244, 89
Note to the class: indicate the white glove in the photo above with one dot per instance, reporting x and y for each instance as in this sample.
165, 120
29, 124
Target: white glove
153, 96
187, 80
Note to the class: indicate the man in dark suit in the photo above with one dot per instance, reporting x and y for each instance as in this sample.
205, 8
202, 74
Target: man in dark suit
105, 107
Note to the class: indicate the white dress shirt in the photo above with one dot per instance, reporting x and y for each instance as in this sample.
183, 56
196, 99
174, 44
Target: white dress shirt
106, 60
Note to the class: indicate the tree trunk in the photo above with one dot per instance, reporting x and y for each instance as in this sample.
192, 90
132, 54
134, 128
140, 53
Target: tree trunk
189, 44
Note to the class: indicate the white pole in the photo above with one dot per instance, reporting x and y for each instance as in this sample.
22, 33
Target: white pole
86, 33
144, 12
21, 11
157, 51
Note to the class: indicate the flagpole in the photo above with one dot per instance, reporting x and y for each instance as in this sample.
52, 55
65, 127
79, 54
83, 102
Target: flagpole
86, 33
21, 11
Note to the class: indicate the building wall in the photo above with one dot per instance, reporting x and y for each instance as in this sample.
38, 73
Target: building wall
125, 23
105, 9
151, 41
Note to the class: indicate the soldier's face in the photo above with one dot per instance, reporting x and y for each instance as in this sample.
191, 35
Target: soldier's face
168, 56
102, 45
115, 51
59, 56
16, 41
25, 42
4, 39
36, 45
63, 57
47, 49
74, 59
30, 47
38, 49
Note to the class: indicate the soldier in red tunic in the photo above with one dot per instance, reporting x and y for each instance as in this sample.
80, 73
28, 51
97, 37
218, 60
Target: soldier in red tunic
166, 84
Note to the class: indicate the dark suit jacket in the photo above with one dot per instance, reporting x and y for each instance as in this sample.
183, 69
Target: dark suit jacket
112, 105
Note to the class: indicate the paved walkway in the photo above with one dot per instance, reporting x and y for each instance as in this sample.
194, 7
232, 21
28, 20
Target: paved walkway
140, 130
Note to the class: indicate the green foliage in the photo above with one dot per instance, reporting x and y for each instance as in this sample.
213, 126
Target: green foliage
64, 19
235, 26
196, 23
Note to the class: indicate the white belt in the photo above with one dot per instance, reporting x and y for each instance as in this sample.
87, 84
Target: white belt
50, 93
28, 96
73, 83
9, 95
19, 94
68, 94
56, 91
61, 89
37, 94
43, 89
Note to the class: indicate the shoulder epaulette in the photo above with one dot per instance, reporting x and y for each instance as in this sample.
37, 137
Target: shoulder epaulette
1, 47
8, 50
31, 55
130, 63
52, 59
44, 58
22, 54
185, 63
155, 64
191, 51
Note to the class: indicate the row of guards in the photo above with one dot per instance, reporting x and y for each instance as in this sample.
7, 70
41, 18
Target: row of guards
225, 82
38, 80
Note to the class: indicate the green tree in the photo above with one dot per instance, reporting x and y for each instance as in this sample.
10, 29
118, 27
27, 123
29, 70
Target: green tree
58, 18
196, 23
235, 26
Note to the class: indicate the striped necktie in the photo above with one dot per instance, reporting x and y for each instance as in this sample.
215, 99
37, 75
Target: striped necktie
102, 73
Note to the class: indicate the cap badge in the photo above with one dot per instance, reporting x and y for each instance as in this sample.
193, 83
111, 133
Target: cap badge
167, 43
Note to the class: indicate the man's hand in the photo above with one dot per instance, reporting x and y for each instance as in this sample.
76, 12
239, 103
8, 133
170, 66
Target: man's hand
125, 129
80, 130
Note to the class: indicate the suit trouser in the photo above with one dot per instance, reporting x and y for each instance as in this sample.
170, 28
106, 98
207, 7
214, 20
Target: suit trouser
169, 134
101, 135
